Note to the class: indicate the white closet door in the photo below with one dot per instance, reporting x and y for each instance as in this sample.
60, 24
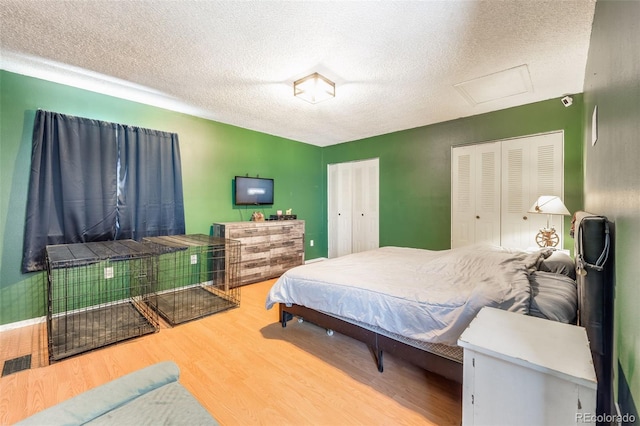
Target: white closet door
463, 207
339, 209
531, 167
487, 180
475, 195
365, 186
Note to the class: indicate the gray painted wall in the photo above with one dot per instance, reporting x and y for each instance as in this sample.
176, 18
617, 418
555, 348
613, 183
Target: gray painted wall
612, 171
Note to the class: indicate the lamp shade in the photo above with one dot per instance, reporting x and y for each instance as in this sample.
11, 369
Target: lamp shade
314, 88
549, 204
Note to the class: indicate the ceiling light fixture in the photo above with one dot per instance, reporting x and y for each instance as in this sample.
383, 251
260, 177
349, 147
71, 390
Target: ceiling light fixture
314, 88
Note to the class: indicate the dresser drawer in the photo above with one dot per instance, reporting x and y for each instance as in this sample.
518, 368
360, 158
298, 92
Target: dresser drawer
286, 230
287, 245
278, 265
249, 232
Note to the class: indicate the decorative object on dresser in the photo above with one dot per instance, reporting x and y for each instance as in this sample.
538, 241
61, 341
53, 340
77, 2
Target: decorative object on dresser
520, 369
257, 217
268, 249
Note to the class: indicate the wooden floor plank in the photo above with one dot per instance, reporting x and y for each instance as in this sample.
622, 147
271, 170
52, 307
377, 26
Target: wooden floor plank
246, 370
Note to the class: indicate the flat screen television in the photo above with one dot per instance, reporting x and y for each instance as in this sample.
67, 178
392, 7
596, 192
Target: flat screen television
253, 191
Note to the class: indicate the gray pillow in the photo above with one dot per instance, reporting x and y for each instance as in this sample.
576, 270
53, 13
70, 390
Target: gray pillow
558, 263
553, 296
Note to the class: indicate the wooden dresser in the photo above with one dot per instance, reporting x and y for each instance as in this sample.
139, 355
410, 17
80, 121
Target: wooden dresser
268, 248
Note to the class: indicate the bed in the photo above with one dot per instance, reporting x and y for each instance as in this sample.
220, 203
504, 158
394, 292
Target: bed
434, 295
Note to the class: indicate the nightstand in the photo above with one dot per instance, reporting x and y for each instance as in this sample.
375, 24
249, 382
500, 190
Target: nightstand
523, 370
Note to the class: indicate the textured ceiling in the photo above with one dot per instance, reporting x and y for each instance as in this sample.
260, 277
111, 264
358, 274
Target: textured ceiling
395, 64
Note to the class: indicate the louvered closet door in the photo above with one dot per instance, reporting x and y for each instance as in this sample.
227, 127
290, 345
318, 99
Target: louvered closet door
463, 207
365, 183
531, 167
475, 195
487, 194
339, 209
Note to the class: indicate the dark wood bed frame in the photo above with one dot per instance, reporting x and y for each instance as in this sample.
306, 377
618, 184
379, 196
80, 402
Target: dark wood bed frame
595, 306
378, 343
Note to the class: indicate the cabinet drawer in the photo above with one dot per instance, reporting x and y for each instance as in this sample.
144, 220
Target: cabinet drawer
254, 270
286, 230
253, 255
253, 276
247, 233
259, 262
280, 264
251, 247
288, 244
286, 259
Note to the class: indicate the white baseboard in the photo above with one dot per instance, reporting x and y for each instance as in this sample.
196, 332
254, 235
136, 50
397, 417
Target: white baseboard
317, 259
20, 324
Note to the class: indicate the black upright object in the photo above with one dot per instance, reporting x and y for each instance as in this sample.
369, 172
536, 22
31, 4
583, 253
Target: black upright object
595, 290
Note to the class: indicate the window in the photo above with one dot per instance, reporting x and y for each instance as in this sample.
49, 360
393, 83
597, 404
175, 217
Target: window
95, 181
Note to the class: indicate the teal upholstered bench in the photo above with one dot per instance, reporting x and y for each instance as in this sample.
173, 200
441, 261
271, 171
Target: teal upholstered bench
150, 396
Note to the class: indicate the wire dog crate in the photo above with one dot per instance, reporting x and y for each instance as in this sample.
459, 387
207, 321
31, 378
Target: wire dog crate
97, 294
198, 275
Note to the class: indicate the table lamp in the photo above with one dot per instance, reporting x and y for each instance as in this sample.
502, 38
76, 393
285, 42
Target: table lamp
549, 205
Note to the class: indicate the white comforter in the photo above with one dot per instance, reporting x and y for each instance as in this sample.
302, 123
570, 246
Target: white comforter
429, 296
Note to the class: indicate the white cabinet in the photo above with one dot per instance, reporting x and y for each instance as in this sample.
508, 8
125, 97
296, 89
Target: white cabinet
494, 184
353, 206
523, 370
475, 213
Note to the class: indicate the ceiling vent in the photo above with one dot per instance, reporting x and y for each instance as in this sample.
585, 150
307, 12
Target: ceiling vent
499, 85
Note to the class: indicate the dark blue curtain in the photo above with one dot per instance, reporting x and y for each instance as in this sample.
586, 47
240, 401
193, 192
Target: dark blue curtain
95, 181
150, 202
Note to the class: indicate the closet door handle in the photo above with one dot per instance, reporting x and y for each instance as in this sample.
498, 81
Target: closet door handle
524, 218
477, 217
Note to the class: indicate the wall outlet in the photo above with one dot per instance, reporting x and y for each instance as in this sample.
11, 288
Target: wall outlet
194, 259
311, 243
108, 272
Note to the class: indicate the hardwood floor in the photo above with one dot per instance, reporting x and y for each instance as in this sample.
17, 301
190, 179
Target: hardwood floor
246, 370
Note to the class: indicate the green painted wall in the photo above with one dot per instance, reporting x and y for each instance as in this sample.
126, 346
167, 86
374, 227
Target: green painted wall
612, 171
212, 154
415, 167
414, 180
